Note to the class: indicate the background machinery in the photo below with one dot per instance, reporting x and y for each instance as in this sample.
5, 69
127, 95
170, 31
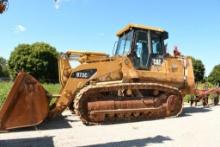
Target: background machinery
5, 3
140, 81
3, 6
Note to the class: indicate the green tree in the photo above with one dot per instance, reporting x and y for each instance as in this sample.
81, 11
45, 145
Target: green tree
3, 68
38, 59
198, 69
214, 76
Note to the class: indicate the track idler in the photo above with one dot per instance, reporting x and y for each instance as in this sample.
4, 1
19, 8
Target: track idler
26, 105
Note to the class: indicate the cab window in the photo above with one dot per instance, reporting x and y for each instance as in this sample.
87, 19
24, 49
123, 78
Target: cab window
141, 52
156, 42
124, 44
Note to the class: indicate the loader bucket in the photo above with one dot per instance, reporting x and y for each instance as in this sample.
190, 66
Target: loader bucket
26, 105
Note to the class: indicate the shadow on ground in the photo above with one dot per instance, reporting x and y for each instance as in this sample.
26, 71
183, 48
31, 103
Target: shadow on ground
28, 142
60, 122
136, 142
188, 111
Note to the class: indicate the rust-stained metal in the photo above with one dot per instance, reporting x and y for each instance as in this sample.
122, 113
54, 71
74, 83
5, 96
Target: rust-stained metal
26, 104
3, 5
100, 69
137, 82
99, 103
203, 95
2, 8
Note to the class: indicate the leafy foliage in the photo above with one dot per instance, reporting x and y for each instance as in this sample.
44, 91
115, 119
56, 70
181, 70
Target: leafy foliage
199, 69
3, 68
38, 59
214, 76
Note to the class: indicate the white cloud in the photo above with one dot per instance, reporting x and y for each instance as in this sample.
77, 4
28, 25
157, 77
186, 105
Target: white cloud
20, 28
57, 4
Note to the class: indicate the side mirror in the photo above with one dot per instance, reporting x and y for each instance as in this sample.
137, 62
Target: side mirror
165, 35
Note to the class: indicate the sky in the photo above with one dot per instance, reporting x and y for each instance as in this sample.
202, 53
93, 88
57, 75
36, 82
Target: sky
90, 25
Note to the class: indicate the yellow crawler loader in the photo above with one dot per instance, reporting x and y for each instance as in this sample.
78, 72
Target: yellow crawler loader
140, 81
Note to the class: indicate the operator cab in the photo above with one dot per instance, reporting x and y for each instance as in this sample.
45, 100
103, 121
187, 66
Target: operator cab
144, 45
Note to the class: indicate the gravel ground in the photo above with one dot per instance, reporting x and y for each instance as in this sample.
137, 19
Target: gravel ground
196, 127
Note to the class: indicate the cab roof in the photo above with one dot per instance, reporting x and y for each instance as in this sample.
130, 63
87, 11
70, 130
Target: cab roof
138, 26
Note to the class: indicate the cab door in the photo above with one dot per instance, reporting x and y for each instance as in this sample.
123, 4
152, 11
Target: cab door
141, 52
148, 55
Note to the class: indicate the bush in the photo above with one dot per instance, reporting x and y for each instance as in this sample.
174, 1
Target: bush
214, 76
3, 68
38, 59
198, 69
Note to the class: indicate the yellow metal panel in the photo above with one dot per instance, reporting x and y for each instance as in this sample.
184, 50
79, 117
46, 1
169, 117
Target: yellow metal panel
72, 52
138, 26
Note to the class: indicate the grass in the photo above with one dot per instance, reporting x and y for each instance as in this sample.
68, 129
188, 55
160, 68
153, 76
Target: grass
52, 88
6, 86
4, 89
55, 88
